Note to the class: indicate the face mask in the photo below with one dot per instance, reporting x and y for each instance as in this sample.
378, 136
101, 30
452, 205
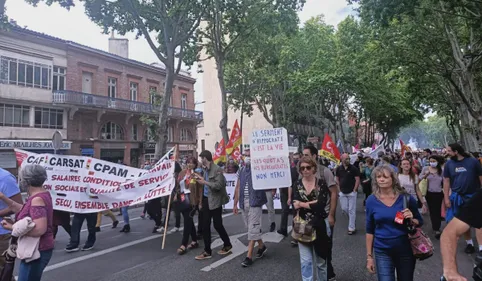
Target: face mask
247, 160
296, 161
433, 164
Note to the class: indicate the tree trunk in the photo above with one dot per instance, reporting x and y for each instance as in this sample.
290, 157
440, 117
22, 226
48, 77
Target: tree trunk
223, 124
241, 124
162, 129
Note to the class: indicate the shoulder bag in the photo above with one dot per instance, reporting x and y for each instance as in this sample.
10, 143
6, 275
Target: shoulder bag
421, 244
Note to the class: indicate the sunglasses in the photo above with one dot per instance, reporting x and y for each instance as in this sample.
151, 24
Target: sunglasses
307, 168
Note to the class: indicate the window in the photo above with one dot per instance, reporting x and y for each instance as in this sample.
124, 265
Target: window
14, 115
149, 136
184, 101
134, 132
186, 135
59, 79
25, 73
112, 87
111, 131
170, 133
49, 118
133, 89
152, 94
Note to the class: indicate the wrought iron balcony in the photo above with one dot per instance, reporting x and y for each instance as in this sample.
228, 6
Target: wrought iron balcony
89, 100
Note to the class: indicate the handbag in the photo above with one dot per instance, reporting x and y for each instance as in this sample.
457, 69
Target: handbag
422, 246
423, 186
303, 231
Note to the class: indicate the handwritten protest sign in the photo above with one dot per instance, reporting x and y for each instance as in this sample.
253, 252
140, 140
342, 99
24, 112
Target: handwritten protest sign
82, 184
270, 159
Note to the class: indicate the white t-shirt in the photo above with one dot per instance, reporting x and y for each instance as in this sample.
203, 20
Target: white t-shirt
407, 183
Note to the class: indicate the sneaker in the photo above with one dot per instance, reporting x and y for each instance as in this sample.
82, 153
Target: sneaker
114, 224
160, 229
225, 250
175, 229
261, 252
247, 262
87, 247
351, 232
71, 249
272, 227
469, 249
294, 243
203, 256
332, 279
437, 235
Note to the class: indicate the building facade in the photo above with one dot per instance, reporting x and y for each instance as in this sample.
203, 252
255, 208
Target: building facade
96, 99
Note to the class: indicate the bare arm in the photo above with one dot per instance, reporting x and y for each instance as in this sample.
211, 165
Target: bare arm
14, 204
448, 242
447, 192
236, 194
357, 183
41, 221
333, 200
419, 194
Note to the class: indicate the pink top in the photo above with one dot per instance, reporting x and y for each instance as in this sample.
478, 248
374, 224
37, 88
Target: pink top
36, 212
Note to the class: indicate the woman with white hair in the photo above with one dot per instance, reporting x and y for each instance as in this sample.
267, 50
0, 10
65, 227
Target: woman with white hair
39, 208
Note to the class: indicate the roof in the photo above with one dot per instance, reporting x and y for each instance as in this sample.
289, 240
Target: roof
152, 67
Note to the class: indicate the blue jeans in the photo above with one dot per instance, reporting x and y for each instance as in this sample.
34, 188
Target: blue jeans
33, 270
399, 259
309, 259
125, 214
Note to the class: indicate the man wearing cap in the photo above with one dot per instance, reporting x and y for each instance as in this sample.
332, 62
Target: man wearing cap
214, 197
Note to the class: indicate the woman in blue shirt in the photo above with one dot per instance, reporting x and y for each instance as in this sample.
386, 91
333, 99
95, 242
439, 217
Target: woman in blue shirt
386, 227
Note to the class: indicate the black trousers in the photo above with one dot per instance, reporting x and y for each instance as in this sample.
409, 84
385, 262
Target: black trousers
330, 269
189, 228
434, 201
285, 208
155, 211
216, 216
63, 219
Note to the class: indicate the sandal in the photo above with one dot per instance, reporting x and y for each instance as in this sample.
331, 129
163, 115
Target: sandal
181, 250
193, 245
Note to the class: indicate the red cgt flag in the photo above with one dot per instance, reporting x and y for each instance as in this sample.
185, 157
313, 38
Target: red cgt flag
220, 153
235, 139
237, 154
329, 149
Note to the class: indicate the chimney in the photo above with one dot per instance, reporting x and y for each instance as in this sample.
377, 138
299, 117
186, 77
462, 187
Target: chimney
119, 46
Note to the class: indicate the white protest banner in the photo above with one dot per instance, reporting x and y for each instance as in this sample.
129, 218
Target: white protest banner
231, 180
270, 159
82, 184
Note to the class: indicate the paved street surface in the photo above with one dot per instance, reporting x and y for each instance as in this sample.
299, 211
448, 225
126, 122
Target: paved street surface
138, 256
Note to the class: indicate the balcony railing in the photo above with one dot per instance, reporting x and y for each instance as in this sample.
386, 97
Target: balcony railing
89, 100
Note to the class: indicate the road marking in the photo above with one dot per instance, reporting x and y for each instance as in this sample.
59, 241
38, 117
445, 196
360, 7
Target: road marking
107, 251
239, 248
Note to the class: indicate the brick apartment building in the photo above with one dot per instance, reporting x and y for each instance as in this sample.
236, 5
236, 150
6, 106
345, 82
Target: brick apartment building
94, 98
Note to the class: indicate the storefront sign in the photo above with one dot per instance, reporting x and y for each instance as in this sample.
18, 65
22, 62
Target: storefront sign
149, 145
186, 147
81, 184
31, 145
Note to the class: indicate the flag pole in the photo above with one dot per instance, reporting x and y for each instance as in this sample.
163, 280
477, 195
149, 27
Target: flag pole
168, 212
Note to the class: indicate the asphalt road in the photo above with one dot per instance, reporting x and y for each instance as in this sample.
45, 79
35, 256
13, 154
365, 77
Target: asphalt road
138, 256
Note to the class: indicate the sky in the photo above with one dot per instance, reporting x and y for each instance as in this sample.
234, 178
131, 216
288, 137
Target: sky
75, 26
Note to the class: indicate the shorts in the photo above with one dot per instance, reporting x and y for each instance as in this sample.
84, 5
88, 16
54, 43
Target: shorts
252, 220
